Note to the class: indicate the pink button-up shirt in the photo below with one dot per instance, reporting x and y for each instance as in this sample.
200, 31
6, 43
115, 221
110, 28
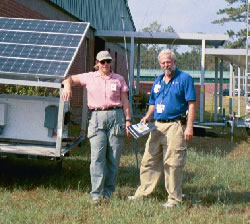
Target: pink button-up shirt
103, 92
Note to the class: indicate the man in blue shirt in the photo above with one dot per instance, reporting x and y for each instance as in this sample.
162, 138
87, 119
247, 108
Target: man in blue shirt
172, 95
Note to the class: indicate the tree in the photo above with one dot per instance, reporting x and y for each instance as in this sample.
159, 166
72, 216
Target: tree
149, 52
235, 13
189, 60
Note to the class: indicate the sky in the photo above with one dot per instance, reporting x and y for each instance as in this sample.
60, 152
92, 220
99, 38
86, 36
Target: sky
185, 16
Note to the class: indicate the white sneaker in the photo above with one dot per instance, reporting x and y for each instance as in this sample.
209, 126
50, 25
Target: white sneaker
96, 200
169, 205
134, 197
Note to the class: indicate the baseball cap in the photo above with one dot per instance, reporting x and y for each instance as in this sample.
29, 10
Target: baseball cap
103, 55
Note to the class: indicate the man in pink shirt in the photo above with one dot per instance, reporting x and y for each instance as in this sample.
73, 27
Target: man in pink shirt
107, 95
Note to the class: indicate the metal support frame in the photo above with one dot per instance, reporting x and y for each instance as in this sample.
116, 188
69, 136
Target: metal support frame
60, 121
30, 83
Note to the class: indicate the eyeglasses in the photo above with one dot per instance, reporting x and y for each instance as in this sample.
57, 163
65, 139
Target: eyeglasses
108, 61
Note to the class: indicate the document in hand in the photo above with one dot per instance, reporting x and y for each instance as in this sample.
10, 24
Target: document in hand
138, 130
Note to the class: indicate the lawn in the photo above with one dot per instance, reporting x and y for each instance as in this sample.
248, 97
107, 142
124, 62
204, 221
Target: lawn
216, 187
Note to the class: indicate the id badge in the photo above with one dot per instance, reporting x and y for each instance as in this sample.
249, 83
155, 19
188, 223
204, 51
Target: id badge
157, 88
113, 87
160, 108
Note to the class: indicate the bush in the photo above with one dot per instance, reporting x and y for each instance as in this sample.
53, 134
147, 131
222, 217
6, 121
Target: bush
29, 90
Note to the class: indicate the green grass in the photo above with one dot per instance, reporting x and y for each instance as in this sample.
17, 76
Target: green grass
216, 187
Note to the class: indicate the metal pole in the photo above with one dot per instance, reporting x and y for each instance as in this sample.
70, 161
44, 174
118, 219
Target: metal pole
84, 111
131, 81
138, 68
129, 75
132, 54
246, 69
216, 89
60, 123
202, 89
239, 90
221, 89
231, 91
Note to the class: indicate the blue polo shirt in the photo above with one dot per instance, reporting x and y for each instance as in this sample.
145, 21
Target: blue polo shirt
174, 95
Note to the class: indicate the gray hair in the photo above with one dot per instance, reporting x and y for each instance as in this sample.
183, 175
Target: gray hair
166, 52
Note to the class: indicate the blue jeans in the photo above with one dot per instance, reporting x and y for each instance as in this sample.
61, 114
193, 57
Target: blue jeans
106, 135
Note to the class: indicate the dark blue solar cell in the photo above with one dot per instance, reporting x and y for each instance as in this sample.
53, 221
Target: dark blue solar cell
77, 28
7, 65
2, 61
4, 23
42, 39
72, 41
2, 35
27, 50
8, 50
32, 53
61, 68
26, 66
2, 49
35, 65
64, 27
16, 50
17, 25
17, 66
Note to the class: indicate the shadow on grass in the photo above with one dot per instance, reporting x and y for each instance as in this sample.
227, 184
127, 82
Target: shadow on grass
213, 195
29, 174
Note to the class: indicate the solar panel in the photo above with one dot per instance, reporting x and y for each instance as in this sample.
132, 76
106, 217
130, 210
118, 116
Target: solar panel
41, 48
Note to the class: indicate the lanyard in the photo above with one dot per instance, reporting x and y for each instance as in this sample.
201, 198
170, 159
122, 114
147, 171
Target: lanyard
165, 93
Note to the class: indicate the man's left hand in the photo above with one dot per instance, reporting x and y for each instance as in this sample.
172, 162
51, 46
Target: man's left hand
188, 134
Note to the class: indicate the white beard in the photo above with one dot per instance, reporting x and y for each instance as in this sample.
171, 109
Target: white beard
171, 70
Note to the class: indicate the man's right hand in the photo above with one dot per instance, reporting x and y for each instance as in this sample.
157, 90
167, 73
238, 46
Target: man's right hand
148, 115
144, 120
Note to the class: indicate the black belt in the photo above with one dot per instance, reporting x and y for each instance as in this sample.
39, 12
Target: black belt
168, 120
105, 109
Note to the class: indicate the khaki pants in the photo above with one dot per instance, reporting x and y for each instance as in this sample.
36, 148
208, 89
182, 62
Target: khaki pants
165, 153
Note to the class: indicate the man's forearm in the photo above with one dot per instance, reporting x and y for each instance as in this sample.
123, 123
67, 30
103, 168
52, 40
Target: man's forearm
191, 114
150, 112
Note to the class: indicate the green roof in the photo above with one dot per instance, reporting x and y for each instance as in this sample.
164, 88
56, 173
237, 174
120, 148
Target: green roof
102, 14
